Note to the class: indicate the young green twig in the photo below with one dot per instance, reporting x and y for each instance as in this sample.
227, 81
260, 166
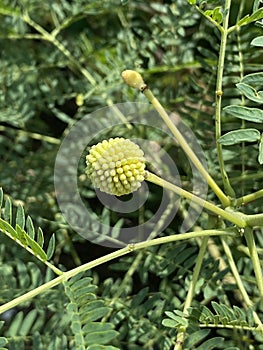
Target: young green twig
135, 80
218, 99
126, 250
236, 218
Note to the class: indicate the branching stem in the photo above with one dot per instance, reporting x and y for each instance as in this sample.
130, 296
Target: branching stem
188, 150
249, 198
128, 249
236, 218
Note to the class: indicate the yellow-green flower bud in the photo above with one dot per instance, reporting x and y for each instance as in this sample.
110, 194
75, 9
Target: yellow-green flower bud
116, 166
133, 79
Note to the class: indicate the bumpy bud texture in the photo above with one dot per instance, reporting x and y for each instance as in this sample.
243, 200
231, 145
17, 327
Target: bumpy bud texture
116, 166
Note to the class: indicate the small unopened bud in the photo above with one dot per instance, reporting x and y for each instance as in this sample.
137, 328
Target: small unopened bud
133, 79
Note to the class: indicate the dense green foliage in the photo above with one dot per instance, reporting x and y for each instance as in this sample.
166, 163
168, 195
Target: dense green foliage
60, 61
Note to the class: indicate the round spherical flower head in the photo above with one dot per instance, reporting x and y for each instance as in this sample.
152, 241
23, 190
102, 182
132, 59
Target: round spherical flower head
116, 166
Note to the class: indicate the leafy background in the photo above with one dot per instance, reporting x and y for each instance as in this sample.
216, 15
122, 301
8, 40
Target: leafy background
61, 60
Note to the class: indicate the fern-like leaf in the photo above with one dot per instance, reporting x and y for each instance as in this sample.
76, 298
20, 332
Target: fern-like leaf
86, 311
224, 315
17, 231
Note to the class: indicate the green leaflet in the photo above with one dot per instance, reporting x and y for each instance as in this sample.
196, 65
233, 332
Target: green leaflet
250, 114
97, 327
20, 216
103, 336
255, 79
30, 227
26, 240
28, 322
237, 136
213, 343
40, 237
6, 227
8, 210
257, 41
251, 93
248, 19
3, 340
171, 323
51, 247
174, 321
216, 14
196, 337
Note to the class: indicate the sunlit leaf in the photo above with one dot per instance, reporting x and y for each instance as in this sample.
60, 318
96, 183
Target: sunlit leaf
211, 344
6, 227
237, 136
51, 247
20, 216
8, 210
257, 41
167, 322
196, 337
101, 337
255, 79
40, 237
30, 227
3, 342
250, 92
28, 241
216, 14
250, 114
254, 17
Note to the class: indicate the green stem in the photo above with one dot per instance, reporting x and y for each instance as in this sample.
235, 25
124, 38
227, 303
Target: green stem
47, 263
188, 301
219, 92
247, 177
236, 218
255, 260
34, 135
254, 220
182, 142
249, 198
132, 247
210, 19
239, 282
229, 326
